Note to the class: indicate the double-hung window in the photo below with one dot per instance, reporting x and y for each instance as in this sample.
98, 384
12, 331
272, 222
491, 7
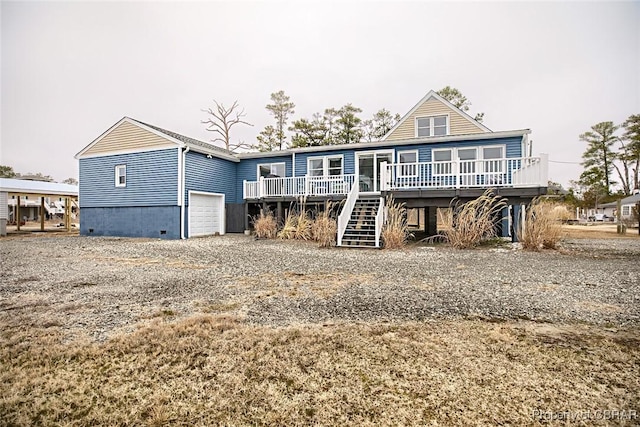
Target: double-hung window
121, 176
492, 157
626, 210
432, 126
442, 161
271, 170
325, 166
408, 163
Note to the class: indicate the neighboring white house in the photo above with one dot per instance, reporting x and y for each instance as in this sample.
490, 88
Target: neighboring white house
627, 206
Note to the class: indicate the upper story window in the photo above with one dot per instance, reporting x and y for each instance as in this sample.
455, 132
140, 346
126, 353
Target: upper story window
121, 176
325, 166
432, 126
271, 170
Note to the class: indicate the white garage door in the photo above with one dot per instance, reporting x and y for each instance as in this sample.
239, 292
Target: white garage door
206, 214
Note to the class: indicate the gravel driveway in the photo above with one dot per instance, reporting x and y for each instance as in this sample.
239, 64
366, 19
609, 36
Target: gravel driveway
99, 286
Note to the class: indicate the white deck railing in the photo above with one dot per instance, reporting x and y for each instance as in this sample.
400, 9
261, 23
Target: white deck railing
298, 186
508, 172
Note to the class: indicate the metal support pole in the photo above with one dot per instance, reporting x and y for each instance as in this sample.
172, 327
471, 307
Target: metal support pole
42, 213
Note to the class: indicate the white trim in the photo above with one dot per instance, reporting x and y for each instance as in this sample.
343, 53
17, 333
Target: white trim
223, 225
180, 166
415, 169
429, 95
325, 163
375, 167
270, 168
293, 164
502, 146
397, 142
117, 175
130, 151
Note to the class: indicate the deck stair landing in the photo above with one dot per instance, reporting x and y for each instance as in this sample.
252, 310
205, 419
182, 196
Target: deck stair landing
361, 228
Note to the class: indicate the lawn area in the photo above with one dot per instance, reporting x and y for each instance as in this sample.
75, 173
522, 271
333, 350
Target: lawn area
208, 370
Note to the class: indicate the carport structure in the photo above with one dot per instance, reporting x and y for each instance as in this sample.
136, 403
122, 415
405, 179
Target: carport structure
20, 188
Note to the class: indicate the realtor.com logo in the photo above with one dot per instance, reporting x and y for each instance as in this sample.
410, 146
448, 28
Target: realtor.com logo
587, 415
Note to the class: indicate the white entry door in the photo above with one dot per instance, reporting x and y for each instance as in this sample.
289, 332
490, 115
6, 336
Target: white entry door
206, 214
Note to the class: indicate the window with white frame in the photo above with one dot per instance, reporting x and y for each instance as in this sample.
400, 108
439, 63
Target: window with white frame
408, 163
432, 126
271, 170
492, 157
442, 161
121, 176
626, 210
325, 166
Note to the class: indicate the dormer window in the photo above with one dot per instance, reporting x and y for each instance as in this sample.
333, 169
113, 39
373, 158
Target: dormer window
432, 126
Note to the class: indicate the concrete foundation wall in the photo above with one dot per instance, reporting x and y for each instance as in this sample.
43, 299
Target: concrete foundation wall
155, 221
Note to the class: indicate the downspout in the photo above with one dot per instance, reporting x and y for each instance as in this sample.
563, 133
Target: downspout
184, 164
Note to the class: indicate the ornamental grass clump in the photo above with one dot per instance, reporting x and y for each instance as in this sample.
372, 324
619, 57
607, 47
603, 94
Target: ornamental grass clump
265, 225
542, 228
325, 228
288, 230
395, 232
469, 224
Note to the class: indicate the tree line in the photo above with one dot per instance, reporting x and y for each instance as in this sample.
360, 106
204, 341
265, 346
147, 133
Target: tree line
611, 161
331, 126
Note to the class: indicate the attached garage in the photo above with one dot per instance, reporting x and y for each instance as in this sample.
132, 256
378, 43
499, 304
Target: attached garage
206, 214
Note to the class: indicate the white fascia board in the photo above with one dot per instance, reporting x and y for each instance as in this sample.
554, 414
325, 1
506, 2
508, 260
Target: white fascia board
131, 151
398, 142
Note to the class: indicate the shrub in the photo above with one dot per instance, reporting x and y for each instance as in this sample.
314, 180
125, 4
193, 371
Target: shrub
288, 230
303, 226
395, 231
265, 225
468, 224
542, 226
325, 228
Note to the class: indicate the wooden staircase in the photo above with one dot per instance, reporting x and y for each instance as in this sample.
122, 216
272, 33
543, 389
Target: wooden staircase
361, 228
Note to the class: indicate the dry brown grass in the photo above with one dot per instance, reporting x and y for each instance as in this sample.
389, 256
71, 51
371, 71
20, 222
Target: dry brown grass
395, 232
542, 226
325, 228
265, 225
297, 225
213, 370
597, 231
469, 224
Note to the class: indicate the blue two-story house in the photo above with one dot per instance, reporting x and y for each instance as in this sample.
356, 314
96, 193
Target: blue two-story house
140, 180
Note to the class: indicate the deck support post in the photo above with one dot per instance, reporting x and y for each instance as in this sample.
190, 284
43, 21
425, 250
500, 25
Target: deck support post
431, 220
42, 213
279, 217
246, 216
17, 216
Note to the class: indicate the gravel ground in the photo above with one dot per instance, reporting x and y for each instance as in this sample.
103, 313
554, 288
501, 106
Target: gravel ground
100, 286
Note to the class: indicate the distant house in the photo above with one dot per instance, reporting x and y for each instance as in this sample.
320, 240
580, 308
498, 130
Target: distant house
137, 179
628, 204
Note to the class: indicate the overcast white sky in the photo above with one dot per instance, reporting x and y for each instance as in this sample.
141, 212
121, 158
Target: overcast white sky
71, 70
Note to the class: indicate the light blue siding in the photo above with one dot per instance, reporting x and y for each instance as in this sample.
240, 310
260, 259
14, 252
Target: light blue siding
152, 180
210, 175
247, 170
156, 222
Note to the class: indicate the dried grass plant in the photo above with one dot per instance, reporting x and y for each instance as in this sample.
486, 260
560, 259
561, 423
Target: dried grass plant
469, 224
325, 228
395, 232
542, 226
265, 225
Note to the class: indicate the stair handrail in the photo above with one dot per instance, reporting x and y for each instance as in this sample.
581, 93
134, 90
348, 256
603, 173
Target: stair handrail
380, 219
347, 209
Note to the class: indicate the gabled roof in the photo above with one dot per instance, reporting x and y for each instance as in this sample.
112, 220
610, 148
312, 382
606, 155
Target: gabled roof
432, 94
176, 138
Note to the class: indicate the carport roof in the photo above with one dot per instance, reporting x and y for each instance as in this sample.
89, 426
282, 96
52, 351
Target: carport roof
23, 186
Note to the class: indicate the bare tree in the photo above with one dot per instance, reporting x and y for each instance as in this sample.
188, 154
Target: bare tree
221, 121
